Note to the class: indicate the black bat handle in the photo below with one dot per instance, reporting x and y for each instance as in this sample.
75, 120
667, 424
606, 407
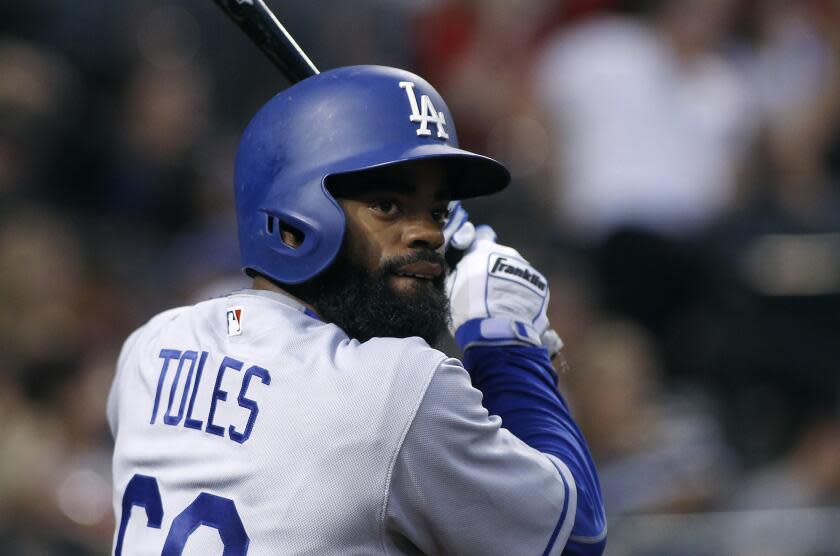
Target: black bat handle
260, 24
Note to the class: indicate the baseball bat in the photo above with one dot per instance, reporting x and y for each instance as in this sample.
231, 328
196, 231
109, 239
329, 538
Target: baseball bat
266, 31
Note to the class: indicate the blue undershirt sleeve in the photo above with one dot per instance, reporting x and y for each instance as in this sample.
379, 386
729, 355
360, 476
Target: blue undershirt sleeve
520, 386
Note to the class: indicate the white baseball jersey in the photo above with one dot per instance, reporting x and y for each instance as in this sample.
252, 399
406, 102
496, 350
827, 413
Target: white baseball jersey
245, 425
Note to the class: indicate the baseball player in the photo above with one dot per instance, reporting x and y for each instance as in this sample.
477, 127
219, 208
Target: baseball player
309, 414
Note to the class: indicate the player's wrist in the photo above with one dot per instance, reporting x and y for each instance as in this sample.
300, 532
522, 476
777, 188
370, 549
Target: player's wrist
496, 331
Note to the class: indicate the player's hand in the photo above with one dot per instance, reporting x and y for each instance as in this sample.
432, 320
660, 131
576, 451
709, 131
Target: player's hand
498, 298
458, 232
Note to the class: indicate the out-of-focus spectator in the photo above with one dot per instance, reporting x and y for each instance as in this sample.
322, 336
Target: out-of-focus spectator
777, 258
163, 117
798, 79
43, 275
55, 478
770, 330
649, 119
55, 481
37, 92
804, 482
52, 428
655, 452
807, 476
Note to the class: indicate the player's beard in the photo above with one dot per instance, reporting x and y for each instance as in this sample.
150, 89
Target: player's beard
363, 304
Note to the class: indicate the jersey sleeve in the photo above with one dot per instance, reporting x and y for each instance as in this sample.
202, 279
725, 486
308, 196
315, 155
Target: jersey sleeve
520, 386
463, 484
113, 395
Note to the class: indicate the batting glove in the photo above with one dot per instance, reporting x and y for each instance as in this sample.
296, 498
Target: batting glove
497, 298
458, 232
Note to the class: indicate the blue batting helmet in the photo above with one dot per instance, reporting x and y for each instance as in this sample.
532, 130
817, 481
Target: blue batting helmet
343, 120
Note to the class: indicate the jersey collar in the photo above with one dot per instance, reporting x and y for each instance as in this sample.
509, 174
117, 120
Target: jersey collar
283, 298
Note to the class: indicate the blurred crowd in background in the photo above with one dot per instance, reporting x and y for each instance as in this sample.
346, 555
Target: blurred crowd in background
676, 170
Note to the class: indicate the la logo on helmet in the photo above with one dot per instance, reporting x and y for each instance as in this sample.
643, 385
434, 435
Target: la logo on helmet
425, 113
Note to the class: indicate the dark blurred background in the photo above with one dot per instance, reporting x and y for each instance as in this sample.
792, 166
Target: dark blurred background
676, 173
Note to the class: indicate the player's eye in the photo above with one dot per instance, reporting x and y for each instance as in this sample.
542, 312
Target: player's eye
386, 207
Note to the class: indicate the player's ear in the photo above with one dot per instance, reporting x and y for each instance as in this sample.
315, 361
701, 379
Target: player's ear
289, 235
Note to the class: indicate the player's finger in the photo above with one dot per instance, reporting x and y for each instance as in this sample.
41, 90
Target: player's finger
456, 216
552, 342
456, 219
463, 236
484, 233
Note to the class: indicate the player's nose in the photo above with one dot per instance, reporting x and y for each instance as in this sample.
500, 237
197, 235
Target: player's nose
423, 231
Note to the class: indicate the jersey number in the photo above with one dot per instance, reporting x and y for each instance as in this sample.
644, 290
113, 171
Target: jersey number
207, 509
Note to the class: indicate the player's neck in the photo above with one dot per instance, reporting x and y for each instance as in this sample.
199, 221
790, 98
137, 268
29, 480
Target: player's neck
263, 283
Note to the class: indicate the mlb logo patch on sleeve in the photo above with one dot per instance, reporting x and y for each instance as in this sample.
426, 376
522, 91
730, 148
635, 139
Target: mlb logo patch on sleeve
234, 321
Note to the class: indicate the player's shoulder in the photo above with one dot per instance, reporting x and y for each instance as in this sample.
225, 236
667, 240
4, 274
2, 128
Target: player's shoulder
164, 317
393, 373
149, 327
413, 345
401, 355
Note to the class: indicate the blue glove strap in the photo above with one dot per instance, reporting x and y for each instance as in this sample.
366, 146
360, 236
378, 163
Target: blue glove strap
496, 331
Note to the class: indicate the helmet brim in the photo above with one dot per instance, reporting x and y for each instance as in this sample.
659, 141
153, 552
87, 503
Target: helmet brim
467, 174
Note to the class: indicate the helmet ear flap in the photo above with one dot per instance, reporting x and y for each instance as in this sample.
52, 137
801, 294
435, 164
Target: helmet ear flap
289, 235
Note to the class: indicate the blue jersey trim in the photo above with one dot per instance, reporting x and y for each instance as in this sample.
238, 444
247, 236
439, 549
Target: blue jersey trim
590, 540
563, 512
310, 313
